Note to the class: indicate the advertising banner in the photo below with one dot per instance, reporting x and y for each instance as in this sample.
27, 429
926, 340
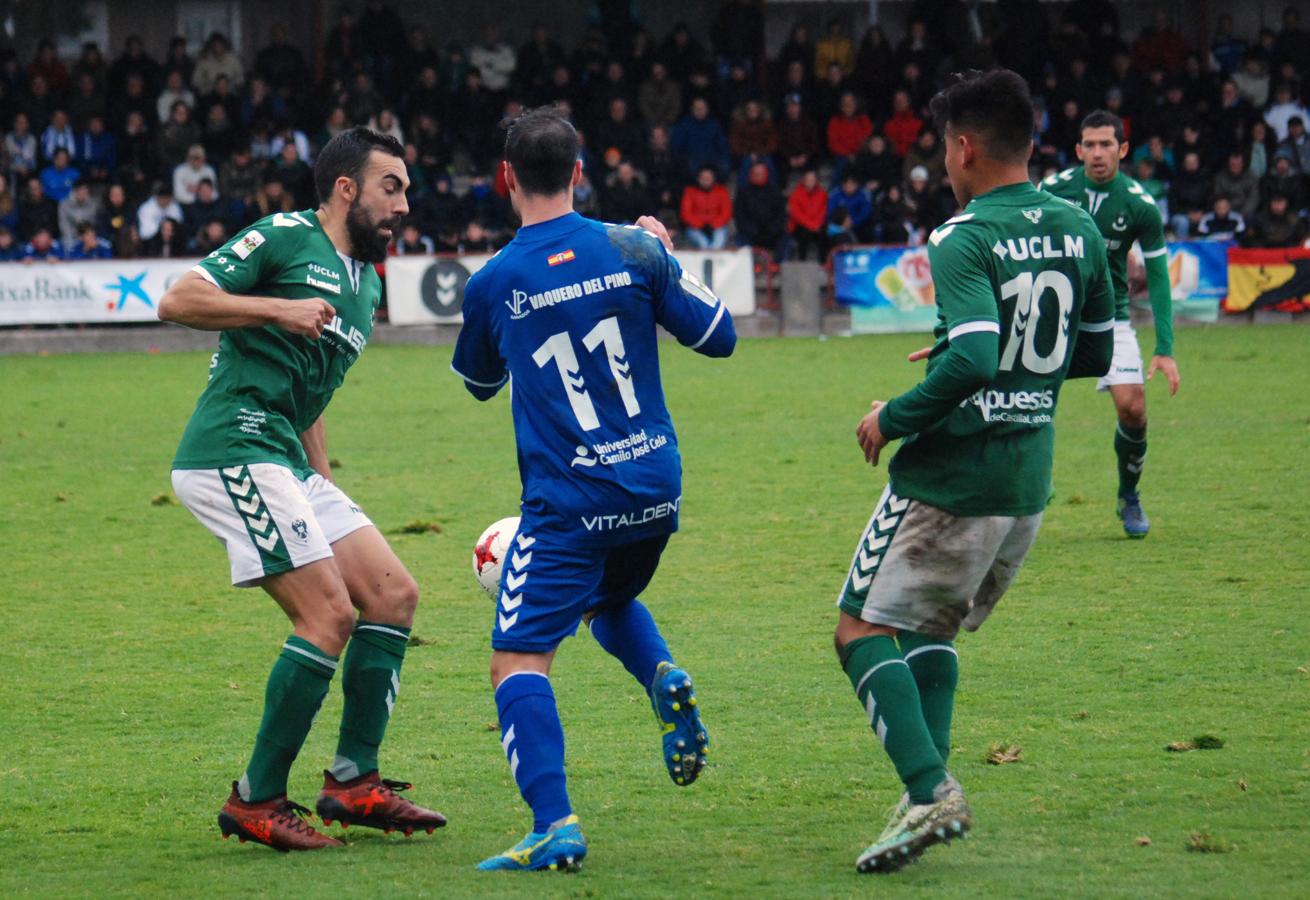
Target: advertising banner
429, 290
125, 290
890, 288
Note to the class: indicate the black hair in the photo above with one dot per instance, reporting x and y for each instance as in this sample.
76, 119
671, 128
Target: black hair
347, 155
542, 148
995, 105
1100, 118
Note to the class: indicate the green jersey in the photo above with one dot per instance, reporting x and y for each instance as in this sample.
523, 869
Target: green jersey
1125, 212
266, 385
1021, 277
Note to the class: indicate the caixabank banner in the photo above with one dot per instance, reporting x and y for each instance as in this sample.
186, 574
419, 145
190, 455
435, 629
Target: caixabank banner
128, 290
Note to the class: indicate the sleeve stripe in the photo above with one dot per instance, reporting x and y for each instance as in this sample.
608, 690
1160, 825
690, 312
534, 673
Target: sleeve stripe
981, 325
1154, 253
1107, 325
480, 384
203, 272
708, 331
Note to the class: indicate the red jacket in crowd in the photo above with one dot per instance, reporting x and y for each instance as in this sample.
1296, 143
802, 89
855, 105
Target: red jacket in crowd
706, 209
902, 129
807, 209
846, 136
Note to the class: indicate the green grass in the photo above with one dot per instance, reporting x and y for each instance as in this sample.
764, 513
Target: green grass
133, 676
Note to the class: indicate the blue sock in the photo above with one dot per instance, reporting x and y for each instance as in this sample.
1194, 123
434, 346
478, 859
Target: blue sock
533, 739
629, 633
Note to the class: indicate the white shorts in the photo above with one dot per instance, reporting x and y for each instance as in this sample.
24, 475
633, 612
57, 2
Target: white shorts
269, 520
919, 568
1126, 367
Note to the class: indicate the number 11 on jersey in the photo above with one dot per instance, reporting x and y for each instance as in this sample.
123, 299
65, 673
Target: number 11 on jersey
559, 347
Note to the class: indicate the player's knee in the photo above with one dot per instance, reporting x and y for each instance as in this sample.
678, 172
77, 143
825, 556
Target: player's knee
401, 598
331, 624
1133, 415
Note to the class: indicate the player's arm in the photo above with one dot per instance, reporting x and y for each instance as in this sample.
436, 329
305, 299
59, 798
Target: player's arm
314, 440
477, 357
1156, 259
971, 353
684, 305
199, 303
1093, 348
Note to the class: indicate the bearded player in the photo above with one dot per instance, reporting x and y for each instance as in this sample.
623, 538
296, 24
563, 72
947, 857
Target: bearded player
1024, 301
1124, 212
294, 297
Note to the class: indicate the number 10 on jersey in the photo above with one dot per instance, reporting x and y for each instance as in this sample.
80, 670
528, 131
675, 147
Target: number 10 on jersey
559, 347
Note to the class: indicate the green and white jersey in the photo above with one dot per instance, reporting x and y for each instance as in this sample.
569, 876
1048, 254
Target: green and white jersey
266, 385
1124, 212
1018, 273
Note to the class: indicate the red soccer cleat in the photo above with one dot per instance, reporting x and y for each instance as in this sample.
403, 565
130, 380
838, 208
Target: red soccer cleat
374, 802
276, 823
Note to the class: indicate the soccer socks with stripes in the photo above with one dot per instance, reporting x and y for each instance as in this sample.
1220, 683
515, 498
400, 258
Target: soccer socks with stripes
936, 671
629, 634
370, 679
1130, 449
886, 690
296, 688
533, 739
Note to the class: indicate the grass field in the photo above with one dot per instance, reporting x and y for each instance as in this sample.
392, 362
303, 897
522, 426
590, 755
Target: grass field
133, 676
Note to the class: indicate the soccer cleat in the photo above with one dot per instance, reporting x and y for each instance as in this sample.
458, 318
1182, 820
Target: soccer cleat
374, 802
276, 823
914, 828
685, 740
561, 849
1136, 525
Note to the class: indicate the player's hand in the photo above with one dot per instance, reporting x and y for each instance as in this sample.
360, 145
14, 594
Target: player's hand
305, 317
921, 353
870, 436
656, 227
1166, 365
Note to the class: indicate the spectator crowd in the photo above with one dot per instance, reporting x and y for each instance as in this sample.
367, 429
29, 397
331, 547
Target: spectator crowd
826, 143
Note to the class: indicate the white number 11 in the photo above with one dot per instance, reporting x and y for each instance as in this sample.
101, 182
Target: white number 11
559, 347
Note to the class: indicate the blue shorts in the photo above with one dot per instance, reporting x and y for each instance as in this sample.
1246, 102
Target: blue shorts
546, 589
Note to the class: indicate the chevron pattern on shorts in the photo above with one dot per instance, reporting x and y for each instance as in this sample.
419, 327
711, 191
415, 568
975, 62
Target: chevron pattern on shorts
876, 540
516, 576
241, 487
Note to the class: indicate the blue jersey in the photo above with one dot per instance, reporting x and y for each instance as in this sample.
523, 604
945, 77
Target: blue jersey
568, 310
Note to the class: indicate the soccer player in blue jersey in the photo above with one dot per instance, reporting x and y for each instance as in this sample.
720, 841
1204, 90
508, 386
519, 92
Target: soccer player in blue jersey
569, 311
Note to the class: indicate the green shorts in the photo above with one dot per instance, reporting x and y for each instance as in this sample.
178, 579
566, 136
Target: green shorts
919, 568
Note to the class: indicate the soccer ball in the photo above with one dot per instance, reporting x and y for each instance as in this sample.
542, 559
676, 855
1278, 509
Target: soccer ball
490, 551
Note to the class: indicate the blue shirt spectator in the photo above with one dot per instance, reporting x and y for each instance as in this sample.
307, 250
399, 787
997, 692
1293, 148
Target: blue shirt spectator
698, 140
59, 135
89, 245
58, 177
43, 246
97, 150
854, 200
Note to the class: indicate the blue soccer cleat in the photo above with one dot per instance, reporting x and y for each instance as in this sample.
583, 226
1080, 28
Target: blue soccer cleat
561, 849
1136, 525
685, 739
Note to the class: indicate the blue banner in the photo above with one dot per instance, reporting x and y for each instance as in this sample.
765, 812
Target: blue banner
890, 288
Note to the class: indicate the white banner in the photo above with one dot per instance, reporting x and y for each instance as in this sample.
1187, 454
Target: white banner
428, 290
126, 290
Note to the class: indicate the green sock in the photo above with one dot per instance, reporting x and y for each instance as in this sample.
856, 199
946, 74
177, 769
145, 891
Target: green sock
296, 688
1130, 448
371, 681
936, 671
886, 689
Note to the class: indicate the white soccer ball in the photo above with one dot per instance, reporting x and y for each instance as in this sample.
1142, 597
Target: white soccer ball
490, 551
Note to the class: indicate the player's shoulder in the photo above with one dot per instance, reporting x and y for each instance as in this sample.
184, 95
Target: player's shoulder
1140, 198
959, 230
636, 246
1061, 181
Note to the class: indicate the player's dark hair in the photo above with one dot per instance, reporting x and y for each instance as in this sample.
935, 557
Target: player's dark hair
347, 154
542, 147
995, 105
1100, 118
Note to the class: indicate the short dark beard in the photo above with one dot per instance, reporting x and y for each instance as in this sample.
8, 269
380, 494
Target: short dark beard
366, 245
